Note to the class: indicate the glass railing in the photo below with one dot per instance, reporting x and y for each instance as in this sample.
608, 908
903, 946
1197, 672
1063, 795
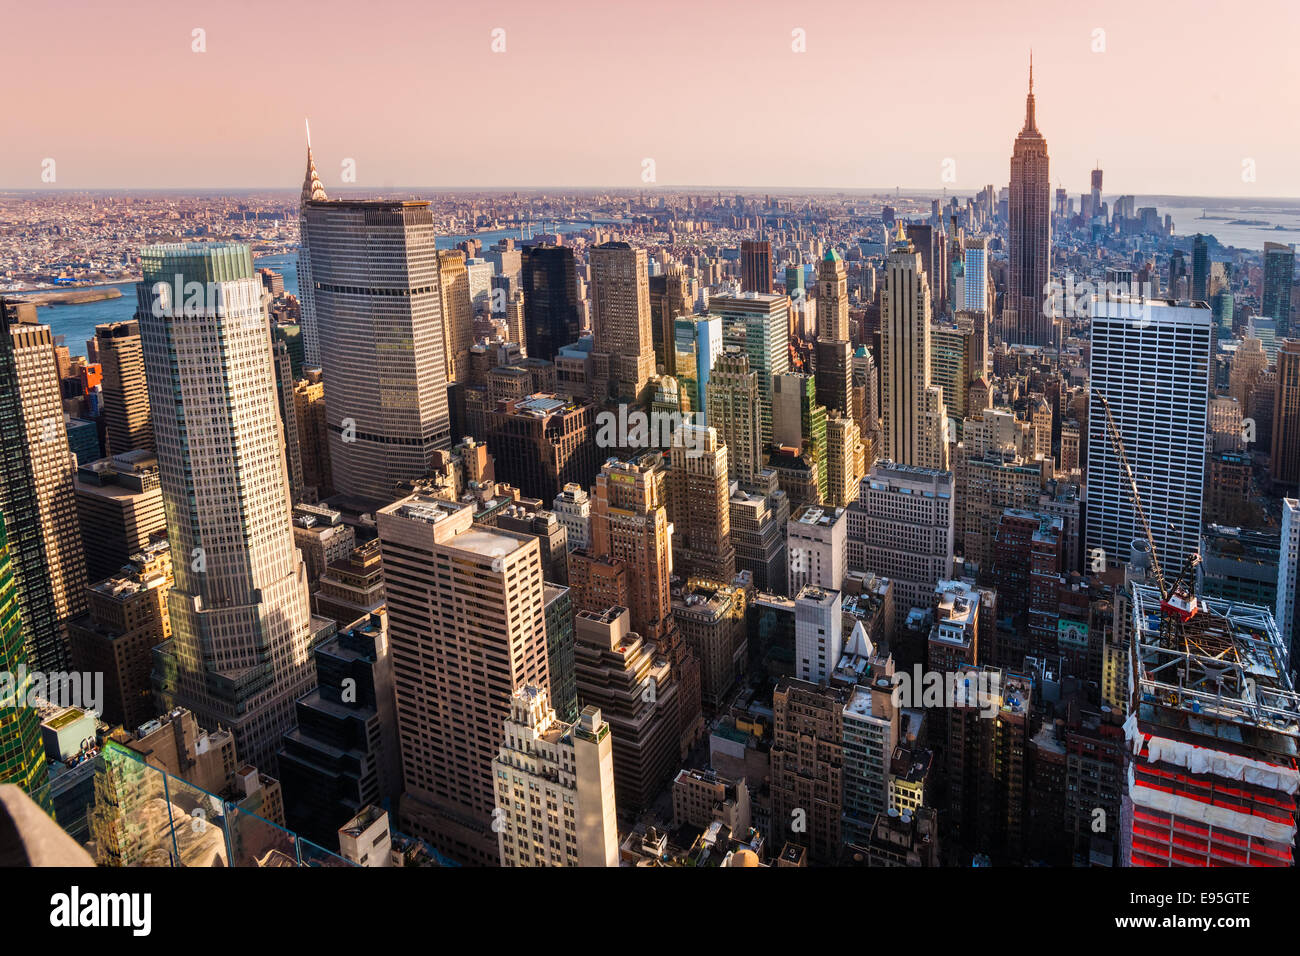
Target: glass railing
125, 812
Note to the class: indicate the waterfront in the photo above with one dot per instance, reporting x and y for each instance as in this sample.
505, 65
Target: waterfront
1226, 220
75, 323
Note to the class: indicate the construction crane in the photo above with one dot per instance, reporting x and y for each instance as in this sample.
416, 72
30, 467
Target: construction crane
1177, 603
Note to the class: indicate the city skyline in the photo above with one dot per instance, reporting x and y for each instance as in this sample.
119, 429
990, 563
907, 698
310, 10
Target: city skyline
649, 526
1092, 105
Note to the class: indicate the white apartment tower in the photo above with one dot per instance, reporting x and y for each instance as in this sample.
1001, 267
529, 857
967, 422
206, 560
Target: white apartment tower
818, 633
555, 786
1150, 359
242, 631
573, 510
816, 540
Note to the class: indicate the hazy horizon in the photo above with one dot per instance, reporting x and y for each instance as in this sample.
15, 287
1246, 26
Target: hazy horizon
118, 98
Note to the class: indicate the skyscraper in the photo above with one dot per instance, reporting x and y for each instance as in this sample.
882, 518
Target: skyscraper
1200, 268
901, 527
1279, 274
799, 422
914, 419
457, 313
629, 521
922, 238
343, 753
818, 633
1284, 462
671, 298
816, 543
467, 629
1288, 575
756, 266
552, 318
834, 374
733, 407
697, 340
378, 311
36, 488
974, 291
1214, 787
701, 505
1150, 360
760, 324
845, 461
126, 621
127, 419
623, 357
1030, 235
630, 679
22, 756
832, 298
242, 629
313, 435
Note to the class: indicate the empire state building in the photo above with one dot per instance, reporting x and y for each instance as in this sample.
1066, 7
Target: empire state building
1030, 227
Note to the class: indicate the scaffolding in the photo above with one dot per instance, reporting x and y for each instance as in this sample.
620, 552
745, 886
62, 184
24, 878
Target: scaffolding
1227, 664
1214, 730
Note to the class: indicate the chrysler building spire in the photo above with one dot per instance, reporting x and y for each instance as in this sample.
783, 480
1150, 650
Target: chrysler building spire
312, 188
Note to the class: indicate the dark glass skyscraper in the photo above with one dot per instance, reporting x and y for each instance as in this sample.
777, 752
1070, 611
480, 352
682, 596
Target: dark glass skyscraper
1200, 267
1279, 273
22, 757
37, 495
756, 266
552, 318
343, 753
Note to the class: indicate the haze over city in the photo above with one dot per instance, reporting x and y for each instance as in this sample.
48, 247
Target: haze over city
582, 92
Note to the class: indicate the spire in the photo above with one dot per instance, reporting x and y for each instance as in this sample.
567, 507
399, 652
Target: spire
1029, 100
859, 643
312, 188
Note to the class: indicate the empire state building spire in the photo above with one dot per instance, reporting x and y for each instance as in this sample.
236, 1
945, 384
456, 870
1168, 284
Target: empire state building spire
312, 188
1030, 126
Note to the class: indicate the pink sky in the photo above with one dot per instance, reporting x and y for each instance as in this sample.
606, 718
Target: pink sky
709, 89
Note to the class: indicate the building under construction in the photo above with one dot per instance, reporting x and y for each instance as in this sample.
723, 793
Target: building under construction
1212, 734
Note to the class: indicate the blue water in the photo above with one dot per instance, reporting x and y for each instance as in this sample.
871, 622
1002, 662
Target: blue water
1188, 221
76, 323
